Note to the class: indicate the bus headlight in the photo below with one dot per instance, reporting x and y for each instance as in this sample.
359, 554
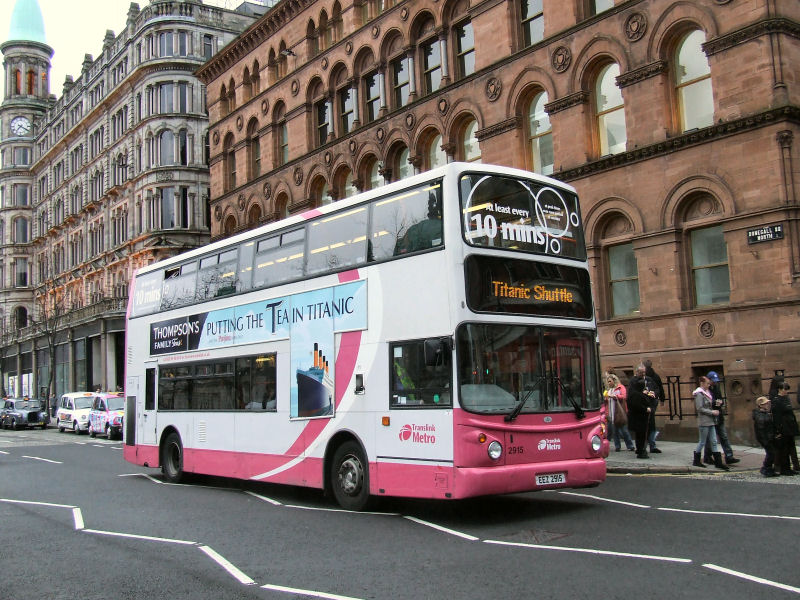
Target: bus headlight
597, 442
495, 449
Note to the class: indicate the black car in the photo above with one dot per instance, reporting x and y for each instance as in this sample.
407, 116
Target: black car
18, 413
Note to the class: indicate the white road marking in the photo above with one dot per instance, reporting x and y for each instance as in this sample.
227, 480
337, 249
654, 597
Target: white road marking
752, 578
605, 499
728, 514
3, 452
466, 536
264, 498
225, 564
37, 503
55, 462
290, 590
591, 551
147, 538
78, 518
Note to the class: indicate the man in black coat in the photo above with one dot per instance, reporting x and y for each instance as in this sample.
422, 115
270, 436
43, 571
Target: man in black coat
652, 389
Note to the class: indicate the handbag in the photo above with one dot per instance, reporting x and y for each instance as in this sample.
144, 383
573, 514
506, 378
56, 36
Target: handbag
620, 418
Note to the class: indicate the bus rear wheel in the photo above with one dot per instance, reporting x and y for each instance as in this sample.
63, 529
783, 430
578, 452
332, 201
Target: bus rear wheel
350, 477
172, 458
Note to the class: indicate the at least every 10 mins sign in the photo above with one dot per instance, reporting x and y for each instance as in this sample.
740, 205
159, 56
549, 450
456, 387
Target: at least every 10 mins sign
767, 233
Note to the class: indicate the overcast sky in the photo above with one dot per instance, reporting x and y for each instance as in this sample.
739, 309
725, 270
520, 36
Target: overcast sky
73, 28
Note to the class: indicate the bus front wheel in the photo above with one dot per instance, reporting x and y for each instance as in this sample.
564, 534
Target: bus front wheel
350, 477
172, 458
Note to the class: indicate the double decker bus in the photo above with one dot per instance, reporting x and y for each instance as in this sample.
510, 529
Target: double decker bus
432, 338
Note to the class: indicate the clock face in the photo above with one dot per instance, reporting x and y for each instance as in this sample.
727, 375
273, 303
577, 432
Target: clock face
20, 126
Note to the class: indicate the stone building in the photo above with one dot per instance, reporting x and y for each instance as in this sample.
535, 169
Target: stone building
110, 176
675, 121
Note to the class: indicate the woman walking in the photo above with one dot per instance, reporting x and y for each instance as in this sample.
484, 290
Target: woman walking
706, 419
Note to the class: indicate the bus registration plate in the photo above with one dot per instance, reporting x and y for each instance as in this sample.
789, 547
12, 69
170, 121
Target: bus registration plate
551, 479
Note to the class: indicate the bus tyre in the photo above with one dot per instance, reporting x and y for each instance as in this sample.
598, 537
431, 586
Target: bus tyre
350, 477
172, 458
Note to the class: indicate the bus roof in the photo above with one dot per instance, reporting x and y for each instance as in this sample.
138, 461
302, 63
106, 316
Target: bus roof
451, 169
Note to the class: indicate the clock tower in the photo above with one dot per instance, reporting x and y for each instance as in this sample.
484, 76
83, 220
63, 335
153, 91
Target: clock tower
26, 98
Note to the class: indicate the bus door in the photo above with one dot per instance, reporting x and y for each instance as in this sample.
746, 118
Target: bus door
146, 406
569, 367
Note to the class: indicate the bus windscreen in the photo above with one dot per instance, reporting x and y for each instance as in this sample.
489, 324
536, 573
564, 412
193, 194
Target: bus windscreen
521, 215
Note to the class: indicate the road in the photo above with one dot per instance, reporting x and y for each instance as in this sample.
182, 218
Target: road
80, 522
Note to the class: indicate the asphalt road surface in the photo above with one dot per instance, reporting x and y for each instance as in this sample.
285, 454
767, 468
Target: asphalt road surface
78, 522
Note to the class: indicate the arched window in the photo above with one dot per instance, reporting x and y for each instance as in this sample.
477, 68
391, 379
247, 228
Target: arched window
230, 225
282, 205
540, 136
623, 280
166, 148
401, 167
256, 79
436, 156
693, 83
17, 81
254, 215
336, 24
281, 136
31, 83
313, 40
231, 95
229, 157
470, 148
223, 101
610, 111
247, 85
253, 150
465, 49
325, 33
372, 174
183, 147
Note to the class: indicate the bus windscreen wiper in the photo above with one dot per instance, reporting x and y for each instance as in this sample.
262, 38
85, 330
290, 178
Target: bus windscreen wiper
579, 413
529, 388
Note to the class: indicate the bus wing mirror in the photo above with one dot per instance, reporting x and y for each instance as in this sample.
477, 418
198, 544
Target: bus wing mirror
435, 350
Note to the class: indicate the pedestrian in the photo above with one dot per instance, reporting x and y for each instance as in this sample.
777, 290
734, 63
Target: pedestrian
765, 434
638, 415
617, 395
718, 403
706, 419
786, 429
652, 389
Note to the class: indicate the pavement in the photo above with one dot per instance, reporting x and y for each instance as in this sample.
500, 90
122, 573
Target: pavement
676, 457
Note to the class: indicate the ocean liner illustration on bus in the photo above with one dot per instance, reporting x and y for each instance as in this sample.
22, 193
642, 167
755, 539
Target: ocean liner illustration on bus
315, 388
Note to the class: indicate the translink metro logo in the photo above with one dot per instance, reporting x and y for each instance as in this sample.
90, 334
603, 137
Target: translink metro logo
421, 434
550, 444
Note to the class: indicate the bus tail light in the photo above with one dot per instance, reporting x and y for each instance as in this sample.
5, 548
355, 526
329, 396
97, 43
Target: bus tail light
495, 450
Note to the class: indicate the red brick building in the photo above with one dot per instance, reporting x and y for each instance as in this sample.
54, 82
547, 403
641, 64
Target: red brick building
675, 121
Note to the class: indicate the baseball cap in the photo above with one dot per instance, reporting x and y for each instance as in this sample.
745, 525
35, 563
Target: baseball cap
762, 400
712, 375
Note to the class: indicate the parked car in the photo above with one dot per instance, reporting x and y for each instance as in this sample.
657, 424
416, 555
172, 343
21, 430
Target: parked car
23, 413
106, 415
73, 411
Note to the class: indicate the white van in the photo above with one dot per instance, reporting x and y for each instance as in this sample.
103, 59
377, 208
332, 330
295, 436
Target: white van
73, 411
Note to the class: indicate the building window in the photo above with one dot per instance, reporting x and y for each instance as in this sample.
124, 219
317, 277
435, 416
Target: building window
183, 147
623, 276
165, 43
208, 46
372, 96
693, 80
610, 111
470, 148
598, 6
402, 167
432, 65
540, 135
20, 194
20, 231
167, 208
400, 81
166, 146
374, 177
322, 112
465, 49
230, 163
253, 150
347, 111
165, 99
532, 22
21, 268
710, 266
436, 156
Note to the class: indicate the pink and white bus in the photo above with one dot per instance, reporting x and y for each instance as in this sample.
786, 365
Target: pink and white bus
431, 338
